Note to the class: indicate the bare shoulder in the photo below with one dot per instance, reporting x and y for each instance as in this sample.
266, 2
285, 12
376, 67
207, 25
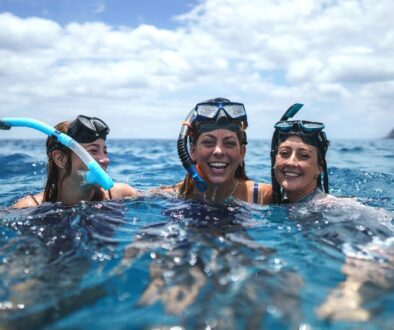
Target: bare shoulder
122, 190
174, 189
28, 201
265, 193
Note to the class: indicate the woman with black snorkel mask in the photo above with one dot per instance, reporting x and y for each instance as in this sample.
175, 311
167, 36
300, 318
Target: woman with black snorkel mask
298, 159
64, 180
216, 170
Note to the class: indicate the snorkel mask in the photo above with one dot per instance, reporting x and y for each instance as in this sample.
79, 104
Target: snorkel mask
84, 129
310, 132
93, 128
208, 116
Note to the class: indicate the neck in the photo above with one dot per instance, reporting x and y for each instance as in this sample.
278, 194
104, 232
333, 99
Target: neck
297, 195
218, 192
70, 194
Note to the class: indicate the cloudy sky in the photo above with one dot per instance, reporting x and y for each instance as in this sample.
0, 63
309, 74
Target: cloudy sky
142, 65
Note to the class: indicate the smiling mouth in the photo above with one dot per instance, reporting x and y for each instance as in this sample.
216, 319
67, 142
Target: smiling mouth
218, 165
291, 174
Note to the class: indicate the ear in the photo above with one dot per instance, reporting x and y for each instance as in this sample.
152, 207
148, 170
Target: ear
193, 153
59, 158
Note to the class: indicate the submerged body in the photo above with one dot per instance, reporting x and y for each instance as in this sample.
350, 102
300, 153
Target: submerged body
239, 266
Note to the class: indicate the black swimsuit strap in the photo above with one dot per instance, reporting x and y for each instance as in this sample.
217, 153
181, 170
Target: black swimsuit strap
255, 192
34, 199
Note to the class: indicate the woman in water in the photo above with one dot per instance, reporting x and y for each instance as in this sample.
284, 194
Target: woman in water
298, 159
64, 181
216, 167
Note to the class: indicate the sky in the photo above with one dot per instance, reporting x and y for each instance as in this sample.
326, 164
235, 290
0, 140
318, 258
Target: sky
141, 66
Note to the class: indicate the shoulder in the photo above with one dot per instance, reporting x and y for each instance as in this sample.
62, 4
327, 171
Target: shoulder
265, 193
29, 201
122, 190
173, 190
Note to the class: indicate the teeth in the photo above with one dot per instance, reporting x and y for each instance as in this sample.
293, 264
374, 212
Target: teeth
218, 165
291, 174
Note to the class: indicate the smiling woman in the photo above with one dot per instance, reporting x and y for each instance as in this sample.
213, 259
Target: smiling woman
216, 167
64, 180
298, 159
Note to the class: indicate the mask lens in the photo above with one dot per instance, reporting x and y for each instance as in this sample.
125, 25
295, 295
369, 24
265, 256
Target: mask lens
235, 110
284, 126
207, 110
309, 127
100, 126
86, 122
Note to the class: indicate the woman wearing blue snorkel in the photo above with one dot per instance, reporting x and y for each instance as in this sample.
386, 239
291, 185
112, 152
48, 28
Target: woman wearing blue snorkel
216, 168
64, 180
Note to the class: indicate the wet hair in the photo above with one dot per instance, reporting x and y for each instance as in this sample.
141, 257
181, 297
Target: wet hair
188, 184
51, 189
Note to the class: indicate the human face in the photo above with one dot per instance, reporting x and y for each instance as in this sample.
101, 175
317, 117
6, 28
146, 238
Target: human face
218, 154
297, 167
97, 149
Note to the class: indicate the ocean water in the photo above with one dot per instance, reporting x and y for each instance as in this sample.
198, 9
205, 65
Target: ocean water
162, 262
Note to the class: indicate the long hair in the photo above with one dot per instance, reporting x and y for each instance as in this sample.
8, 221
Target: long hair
52, 186
187, 187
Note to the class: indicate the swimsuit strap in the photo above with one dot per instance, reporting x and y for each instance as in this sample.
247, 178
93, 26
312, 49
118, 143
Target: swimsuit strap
109, 194
255, 192
35, 200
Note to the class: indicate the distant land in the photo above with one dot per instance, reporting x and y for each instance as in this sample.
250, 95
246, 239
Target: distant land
390, 135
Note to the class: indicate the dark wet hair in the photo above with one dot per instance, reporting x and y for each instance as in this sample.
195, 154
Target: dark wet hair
51, 189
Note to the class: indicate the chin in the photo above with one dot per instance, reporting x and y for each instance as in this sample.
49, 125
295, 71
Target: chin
217, 180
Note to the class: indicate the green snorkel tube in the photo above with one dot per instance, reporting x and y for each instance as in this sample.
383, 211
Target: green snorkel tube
94, 175
290, 112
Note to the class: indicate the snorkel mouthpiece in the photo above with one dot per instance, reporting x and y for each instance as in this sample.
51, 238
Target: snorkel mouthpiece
94, 175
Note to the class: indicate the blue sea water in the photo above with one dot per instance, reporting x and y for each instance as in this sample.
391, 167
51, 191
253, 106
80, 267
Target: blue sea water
161, 262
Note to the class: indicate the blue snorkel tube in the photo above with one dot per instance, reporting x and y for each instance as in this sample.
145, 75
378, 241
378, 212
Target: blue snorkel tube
94, 175
184, 155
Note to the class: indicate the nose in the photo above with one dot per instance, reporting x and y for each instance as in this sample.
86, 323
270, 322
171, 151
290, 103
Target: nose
293, 160
218, 150
103, 160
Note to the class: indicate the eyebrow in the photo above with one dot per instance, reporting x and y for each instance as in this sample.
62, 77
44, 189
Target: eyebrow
94, 145
215, 137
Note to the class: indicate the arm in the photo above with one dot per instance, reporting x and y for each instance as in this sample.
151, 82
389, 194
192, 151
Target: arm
123, 190
28, 201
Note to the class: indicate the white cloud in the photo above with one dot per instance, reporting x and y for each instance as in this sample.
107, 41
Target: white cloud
269, 54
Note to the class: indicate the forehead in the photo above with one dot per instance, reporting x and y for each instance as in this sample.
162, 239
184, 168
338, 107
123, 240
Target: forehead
295, 142
220, 133
99, 142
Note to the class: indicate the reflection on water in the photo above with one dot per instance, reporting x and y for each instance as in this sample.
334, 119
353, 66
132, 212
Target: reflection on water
162, 262
155, 262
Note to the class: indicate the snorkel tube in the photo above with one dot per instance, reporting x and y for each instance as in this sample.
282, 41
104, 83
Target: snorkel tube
94, 175
184, 155
290, 112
